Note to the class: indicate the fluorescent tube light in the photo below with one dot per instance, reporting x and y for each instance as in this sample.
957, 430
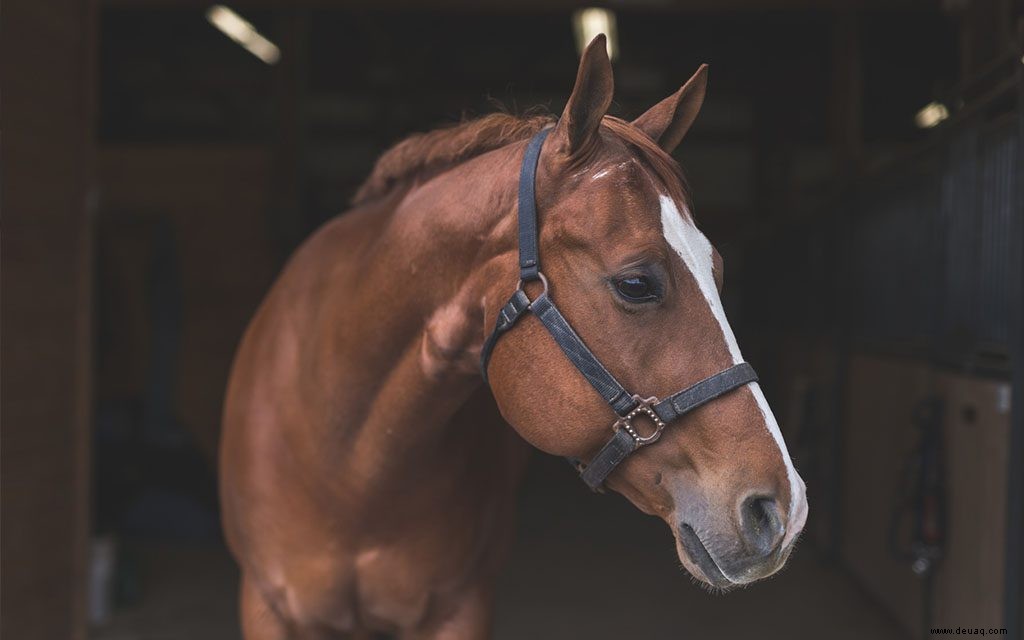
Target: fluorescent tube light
241, 31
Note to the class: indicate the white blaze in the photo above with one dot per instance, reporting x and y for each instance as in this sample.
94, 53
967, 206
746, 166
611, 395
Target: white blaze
695, 250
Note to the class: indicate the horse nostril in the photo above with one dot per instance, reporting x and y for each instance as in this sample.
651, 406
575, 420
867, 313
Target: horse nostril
761, 524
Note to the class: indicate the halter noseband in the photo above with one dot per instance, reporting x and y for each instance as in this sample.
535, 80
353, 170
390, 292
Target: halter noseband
627, 438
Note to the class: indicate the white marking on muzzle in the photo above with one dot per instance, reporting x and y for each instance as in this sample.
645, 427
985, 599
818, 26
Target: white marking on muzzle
695, 250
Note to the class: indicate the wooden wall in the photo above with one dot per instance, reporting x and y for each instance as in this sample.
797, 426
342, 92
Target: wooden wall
977, 432
879, 436
47, 62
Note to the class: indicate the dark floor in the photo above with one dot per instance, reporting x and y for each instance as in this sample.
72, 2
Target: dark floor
584, 565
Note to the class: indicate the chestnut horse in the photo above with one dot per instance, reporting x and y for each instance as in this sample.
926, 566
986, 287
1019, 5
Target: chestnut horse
368, 482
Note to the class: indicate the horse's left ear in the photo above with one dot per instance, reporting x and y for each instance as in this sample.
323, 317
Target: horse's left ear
590, 99
668, 121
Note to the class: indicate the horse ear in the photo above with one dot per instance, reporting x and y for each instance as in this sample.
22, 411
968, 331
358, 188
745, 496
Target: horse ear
668, 121
590, 99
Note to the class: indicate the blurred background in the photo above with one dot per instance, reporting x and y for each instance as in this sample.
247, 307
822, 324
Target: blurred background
857, 163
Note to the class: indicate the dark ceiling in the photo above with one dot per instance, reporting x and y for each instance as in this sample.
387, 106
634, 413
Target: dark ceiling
351, 83
168, 75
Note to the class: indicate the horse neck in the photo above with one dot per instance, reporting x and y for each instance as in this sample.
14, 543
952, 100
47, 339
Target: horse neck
409, 335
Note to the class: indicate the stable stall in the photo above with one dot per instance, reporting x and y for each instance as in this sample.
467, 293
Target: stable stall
859, 169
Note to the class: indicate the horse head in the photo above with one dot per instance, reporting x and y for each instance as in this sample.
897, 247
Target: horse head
641, 285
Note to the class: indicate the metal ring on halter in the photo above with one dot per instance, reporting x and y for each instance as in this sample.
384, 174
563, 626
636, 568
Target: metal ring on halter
543, 280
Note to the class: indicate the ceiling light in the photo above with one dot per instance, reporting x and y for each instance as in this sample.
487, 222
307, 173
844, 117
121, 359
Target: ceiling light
241, 31
588, 23
931, 114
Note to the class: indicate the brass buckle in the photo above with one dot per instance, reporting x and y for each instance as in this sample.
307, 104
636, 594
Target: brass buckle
645, 406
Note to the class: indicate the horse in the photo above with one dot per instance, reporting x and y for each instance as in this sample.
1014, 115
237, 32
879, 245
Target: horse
368, 473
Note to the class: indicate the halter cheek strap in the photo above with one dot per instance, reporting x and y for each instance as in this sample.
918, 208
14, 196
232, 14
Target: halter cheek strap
627, 438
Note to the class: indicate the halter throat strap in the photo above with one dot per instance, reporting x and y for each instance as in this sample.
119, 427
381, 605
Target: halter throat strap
627, 435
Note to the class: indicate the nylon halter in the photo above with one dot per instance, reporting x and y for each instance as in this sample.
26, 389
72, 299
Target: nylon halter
626, 437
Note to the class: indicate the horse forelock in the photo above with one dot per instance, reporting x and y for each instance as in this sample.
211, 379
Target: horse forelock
667, 171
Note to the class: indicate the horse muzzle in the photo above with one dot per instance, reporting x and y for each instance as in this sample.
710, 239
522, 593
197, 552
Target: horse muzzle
755, 546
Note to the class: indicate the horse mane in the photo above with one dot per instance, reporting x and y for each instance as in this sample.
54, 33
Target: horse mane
424, 155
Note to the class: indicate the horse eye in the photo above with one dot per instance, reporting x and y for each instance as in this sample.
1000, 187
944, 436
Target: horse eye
636, 289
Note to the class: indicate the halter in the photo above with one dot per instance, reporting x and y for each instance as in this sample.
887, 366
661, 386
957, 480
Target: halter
627, 406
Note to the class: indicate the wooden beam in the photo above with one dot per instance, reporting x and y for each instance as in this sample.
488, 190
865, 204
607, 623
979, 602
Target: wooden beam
48, 202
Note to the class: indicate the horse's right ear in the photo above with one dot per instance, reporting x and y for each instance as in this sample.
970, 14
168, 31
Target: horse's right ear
590, 99
668, 121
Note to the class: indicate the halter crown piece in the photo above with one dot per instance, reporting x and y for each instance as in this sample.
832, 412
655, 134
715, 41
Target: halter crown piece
627, 407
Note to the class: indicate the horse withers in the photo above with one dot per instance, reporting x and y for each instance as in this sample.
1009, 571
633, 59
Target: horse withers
368, 481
